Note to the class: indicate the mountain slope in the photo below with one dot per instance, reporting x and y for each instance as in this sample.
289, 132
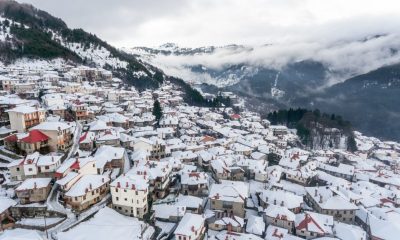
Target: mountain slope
370, 101
361, 85
29, 33
32, 33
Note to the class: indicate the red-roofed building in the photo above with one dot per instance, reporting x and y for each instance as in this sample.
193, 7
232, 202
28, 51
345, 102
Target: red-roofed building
312, 225
235, 116
28, 143
83, 137
35, 141
35, 136
86, 141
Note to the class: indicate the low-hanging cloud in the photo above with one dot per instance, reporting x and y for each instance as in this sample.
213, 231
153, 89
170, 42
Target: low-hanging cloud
344, 58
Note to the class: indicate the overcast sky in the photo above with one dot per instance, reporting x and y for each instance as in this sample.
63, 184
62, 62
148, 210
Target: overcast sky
127, 23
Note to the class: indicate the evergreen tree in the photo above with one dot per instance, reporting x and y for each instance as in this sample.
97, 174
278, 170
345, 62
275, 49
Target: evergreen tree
157, 111
351, 144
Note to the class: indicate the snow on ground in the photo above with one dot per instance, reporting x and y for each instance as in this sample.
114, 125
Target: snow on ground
106, 224
39, 221
99, 55
21, 234
251, 212
6, 158
4, 32
127, 163
72, 219
37, 64
3, 149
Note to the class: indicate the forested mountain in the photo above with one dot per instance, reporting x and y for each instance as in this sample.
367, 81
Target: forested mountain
27, 32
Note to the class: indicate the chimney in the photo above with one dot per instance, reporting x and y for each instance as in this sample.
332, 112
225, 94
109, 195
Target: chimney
282, 204
229, 227
102, 180
90, 186
118, 184
320, 198
316, 193
274, 201
34, 185
133, 187
127, 184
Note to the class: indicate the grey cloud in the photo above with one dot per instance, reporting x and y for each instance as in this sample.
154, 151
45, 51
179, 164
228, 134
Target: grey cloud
327, 31
210, 22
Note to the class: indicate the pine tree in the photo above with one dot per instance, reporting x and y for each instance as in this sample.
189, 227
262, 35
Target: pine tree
157, 111
351, 144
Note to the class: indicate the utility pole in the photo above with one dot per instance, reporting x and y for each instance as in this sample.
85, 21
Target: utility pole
45, 227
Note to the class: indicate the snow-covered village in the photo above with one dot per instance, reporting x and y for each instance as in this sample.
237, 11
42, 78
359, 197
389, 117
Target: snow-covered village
100, 143
81, 150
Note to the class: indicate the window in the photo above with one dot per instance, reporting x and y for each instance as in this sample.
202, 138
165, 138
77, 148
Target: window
117, 198
227, 205
47, 167
30, 169
116, 189
126, 199
17, 169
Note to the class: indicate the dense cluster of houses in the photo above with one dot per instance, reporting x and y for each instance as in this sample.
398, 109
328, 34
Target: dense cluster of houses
85, 138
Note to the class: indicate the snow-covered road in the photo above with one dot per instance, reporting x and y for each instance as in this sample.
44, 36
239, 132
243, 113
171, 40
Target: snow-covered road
52, 200
77, 135
73, 220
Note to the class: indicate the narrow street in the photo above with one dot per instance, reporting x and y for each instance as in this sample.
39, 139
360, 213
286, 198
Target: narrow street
52, 200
